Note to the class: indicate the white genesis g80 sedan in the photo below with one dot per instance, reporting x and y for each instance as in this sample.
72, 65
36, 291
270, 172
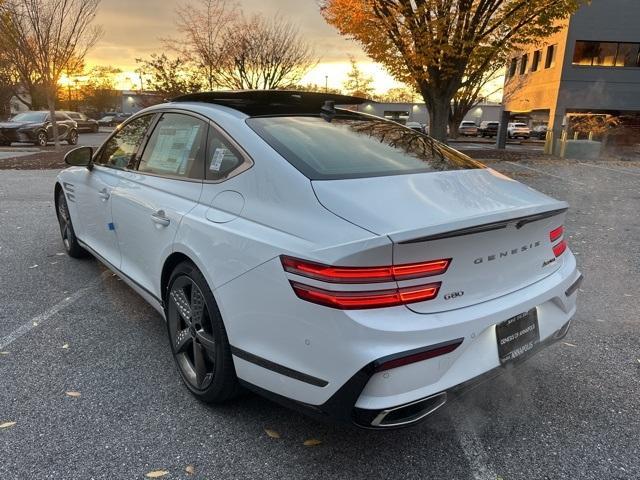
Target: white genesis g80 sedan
333, 261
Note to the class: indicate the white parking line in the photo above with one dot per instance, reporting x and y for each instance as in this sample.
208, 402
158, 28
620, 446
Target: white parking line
471, 444
623, 172
547, 173
44, 316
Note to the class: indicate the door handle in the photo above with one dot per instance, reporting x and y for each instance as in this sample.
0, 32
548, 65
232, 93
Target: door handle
160, 218
104, 194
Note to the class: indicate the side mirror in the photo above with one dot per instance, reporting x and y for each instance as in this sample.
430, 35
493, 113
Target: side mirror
79, 157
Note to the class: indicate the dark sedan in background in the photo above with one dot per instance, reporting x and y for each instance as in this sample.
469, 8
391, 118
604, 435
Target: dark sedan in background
85, 124
37, 128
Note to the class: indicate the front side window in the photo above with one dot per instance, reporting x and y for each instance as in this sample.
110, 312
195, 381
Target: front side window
176, 147
354, 146
119, 151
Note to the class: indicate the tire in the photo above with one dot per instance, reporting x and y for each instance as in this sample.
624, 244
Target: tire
198, 338
69, 239
41, 139
72, 139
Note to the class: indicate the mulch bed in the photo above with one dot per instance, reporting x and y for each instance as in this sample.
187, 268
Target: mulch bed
46, 159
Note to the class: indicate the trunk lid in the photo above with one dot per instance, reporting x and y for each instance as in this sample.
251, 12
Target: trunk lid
495, 230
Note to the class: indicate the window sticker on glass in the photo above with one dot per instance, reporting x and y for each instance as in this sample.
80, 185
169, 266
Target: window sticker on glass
173, 148
218, 156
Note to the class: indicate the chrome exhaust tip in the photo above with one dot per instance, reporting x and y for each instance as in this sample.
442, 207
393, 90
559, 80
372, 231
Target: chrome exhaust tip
406, 414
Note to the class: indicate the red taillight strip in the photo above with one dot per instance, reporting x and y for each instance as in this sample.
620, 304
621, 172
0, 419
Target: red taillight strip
327, 273
556, 234
418, 355
356, 300
560, 248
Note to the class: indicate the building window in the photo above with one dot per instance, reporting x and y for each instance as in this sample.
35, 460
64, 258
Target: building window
523, 64
513, 67
628, 55
551, 56
535, 63
606, 54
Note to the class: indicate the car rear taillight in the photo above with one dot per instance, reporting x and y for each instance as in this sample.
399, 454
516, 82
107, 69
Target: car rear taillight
360, 299
354, 300
559, 248
327, 273
555, 235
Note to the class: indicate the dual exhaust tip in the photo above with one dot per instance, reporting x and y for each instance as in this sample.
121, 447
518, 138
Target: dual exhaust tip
401, 416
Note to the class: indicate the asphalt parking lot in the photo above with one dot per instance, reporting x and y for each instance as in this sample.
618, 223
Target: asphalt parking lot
571, 412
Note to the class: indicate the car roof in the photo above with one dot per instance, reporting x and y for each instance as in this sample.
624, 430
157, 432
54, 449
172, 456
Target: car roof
271, 102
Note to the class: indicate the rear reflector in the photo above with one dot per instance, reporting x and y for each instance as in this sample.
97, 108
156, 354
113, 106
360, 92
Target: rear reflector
327, 273
560, 248
355, 300
556, 234
418, 355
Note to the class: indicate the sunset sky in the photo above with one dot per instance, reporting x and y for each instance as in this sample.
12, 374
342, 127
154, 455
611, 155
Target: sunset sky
133, 29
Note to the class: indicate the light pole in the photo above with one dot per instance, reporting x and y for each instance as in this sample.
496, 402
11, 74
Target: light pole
326, 84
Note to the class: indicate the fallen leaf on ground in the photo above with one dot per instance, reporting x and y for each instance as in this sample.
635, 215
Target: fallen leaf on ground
66, 345
569, 344
638, 360
190, 470
7, 424
73, 394
4, 353
157, 473
272, 433
60, 253
312, 442
34, 266
35, 324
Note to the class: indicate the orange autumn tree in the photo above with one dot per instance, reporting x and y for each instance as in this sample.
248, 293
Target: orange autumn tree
436, 46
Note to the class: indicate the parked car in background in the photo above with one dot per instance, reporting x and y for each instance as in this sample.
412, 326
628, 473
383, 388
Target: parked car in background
468, 129
539, 132
365, 274
113, 120
488, 129
417, 126
85, 124
518, 130
37, 128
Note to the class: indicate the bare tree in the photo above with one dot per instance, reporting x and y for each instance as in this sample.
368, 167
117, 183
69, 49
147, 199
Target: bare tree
202, 25
263, 54
53, 36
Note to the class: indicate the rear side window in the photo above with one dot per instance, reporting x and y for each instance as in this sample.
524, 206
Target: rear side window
176, 147
223, 157
120, 149
354, 146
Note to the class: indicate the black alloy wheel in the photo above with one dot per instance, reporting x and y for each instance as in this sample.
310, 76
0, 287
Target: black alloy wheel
67, 232
72, 139
198, 337
41, 139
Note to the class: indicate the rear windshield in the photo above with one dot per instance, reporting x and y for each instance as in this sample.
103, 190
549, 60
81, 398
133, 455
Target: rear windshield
355, 146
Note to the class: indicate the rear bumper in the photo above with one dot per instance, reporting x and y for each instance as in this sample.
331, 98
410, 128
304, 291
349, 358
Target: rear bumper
339, 350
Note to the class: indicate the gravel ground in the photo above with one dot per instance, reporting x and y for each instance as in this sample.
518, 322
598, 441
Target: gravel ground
66, 325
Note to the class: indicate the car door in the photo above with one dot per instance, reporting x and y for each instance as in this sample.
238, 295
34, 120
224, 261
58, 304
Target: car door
94, 190
152, 199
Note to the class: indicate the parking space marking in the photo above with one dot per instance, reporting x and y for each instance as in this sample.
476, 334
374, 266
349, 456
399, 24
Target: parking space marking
547, 173
471, 444
623, 172
46, 315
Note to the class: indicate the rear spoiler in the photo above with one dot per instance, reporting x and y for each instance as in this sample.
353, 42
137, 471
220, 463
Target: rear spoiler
487, 227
